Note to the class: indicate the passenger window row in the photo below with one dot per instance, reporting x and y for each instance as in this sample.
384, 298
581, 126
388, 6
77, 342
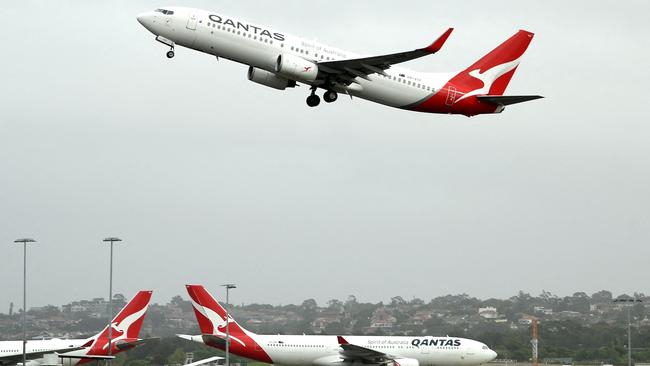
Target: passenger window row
408, 82
240, 33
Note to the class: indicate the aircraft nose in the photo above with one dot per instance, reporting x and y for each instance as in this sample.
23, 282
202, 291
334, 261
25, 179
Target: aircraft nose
145, 19
491, 355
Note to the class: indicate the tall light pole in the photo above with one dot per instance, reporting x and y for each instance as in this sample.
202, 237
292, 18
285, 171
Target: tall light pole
24, 242
228, 286
110, 296
629, 302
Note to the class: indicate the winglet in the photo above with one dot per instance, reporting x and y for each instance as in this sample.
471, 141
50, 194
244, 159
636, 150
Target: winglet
437, 45
341, 340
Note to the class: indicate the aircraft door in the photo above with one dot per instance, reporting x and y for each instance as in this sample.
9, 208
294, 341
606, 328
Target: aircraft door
191, 22
451, 96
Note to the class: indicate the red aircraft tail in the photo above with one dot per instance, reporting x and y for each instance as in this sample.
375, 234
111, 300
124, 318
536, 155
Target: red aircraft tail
491, 74
210, 315
125, 325
479, 88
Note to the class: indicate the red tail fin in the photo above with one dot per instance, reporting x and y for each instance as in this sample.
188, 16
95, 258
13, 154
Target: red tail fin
210, 315
212, 321
491, 74
126, 324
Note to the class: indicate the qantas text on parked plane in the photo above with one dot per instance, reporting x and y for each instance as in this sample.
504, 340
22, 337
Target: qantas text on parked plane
126, 328
322, 350
279, 60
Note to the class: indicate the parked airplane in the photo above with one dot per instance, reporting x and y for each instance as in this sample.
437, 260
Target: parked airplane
126, 327
329, 350
279, 60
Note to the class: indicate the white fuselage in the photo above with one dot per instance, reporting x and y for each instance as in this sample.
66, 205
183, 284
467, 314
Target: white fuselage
316, 350
324, 350
259, 47
15, 348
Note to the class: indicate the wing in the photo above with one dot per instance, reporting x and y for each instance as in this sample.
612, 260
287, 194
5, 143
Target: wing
15, 358
352, 352
345, 71
87, 357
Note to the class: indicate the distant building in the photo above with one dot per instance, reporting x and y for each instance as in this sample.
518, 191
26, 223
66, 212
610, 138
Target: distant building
542, 310
382, 319
488, 312
525, 321
326, 318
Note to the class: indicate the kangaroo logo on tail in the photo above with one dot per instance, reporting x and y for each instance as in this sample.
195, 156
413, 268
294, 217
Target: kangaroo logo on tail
126, 324
218, 323
211, 316
488, 77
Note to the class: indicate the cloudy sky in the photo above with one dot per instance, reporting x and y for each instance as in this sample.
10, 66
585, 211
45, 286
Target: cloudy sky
209, 178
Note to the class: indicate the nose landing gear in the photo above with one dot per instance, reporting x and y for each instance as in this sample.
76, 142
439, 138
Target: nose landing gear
167, 42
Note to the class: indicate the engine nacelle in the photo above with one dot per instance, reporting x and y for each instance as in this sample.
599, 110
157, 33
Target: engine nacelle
269, 79
405, 362
29, 363
296, 68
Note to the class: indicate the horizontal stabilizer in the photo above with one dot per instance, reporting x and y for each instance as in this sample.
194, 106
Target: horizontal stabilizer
204, 361
507, 99
87, 357
134, 343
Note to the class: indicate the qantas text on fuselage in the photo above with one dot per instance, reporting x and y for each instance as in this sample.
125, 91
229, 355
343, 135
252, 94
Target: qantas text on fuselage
329, 350
279, 60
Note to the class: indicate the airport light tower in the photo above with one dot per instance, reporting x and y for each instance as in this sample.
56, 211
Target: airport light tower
629, 302
228, 286
24, 242
111, 240
534, 342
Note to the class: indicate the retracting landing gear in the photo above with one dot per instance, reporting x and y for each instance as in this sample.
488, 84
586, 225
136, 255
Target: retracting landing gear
313, 100
330, 96
165, 41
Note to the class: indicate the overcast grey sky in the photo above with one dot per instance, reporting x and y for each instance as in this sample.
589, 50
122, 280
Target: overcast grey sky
210, 178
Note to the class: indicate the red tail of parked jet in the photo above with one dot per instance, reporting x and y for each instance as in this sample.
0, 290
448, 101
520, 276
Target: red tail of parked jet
125, 331
212, 322
126, 326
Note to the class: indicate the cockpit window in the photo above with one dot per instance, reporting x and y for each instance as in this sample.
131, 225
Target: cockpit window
166, 12
485, 347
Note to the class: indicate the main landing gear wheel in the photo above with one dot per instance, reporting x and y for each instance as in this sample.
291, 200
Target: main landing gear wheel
313, 100
170, 54
330, 96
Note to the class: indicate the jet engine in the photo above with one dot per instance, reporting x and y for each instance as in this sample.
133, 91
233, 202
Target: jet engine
29, 363
269, 79
405, 362
296, 68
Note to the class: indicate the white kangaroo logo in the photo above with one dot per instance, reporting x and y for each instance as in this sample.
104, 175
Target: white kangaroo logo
122, 328
488, 77
216, 320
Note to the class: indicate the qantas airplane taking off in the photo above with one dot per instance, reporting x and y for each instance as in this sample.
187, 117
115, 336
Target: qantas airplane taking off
279, 60
126, 328
329, 350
